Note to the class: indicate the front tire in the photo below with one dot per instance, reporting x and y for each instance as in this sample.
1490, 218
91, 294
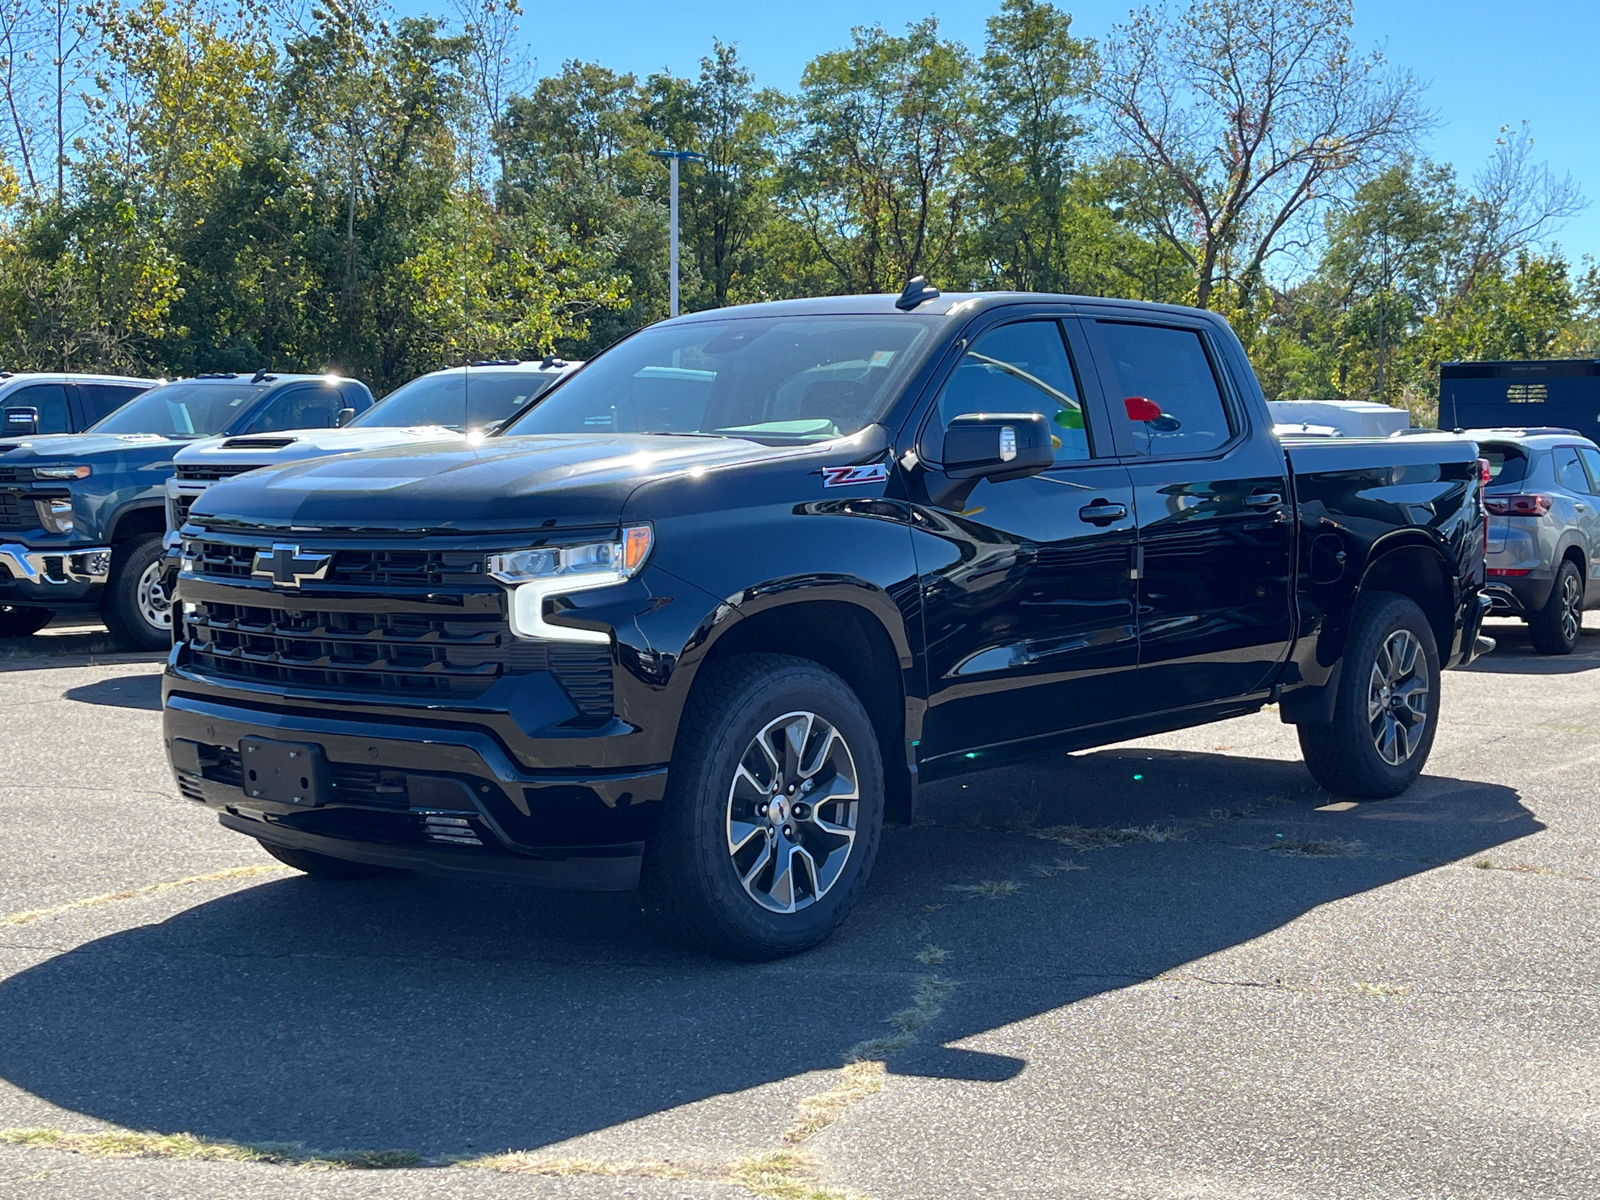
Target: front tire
1385, 712
325, 866
774, 809
1554, 629
136, 606
23, 622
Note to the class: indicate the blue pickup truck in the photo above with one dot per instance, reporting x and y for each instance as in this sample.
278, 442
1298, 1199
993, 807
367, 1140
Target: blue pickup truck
82, 515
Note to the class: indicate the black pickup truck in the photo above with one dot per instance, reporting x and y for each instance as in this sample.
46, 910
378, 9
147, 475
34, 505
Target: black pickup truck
703, 616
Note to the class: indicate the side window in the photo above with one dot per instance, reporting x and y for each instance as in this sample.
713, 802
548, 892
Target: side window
300, 408
103, 399
51, 401
1021, 368
1591, 460
1162, 379
1569, 471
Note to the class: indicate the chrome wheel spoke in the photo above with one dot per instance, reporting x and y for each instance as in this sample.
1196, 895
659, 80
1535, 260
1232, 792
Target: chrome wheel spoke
791, 812
1397, 697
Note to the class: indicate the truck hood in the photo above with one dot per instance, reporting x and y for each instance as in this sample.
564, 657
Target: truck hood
502, 483
88, 447
296, 444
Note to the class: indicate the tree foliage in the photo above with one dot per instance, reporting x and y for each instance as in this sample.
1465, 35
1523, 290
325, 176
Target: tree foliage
193, 185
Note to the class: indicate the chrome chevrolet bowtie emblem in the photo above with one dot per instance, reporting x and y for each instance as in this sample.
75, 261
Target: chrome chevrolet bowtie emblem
287, 567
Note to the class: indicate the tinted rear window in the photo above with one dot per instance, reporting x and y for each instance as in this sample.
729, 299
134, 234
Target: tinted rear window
1508, 465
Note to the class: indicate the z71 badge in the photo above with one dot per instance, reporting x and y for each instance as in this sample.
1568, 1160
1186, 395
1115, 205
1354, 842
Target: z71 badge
865, 473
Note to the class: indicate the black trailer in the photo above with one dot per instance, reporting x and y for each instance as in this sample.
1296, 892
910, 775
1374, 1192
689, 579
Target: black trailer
1563, 393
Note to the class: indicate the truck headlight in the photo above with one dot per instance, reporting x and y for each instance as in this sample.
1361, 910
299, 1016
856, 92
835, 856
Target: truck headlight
55, 515
79, 472
535, 575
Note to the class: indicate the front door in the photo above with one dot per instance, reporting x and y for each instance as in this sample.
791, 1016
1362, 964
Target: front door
1028, 598
1216, 534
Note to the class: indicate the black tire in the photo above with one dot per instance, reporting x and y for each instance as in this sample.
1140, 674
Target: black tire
708, 889
123, 608
1353, 755
325, 866
1555, 628
22, 622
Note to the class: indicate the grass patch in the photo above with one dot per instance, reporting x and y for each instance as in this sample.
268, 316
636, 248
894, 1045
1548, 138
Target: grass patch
1046, 870
154, 889
1315, 847
780, 1176
521, 1162
1081, 838
122, 1143
857, 1081
932, 956
989, 889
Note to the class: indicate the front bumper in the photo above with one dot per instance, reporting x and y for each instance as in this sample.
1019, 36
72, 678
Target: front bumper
439, 798
50, 576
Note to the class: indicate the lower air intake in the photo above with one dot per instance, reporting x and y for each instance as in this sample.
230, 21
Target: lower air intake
455, 830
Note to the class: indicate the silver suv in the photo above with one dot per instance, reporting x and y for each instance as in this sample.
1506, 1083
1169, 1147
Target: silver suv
1543, 499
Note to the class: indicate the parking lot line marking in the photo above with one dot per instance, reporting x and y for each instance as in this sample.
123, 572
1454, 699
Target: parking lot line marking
25, 918
1339, 806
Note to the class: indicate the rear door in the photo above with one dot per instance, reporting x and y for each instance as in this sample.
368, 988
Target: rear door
1216, 534
1027, 596
1578, 470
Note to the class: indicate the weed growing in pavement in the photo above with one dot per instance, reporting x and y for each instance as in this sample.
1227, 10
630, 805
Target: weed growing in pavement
1046, 870
989, 889
780, 1176
857, 1081
521, 1162
1312, 847
125, 1143
1081, 838
932, 956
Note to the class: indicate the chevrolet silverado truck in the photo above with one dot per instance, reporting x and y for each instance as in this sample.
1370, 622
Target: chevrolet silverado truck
703, 617
82, 515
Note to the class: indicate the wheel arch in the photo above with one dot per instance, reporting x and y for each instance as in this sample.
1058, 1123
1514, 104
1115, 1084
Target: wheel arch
137, 520
854, 642
1417, 569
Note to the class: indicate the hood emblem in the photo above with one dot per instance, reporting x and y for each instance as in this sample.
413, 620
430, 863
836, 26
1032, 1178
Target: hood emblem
865, 473
288, 567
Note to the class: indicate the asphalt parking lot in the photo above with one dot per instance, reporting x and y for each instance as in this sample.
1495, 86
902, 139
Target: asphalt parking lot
1169, 968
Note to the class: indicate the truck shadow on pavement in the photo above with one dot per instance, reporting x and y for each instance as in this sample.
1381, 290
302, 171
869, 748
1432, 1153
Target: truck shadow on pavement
1514, 653
450, 1017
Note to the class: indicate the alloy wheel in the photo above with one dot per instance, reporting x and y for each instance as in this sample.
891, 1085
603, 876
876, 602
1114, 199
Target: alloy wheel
155, 606
792, 810
1397, 697
1571, 601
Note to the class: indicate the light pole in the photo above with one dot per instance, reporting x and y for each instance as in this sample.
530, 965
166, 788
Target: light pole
674, 157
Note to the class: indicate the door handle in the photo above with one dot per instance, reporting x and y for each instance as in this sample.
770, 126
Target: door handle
1102, 513
1264, 500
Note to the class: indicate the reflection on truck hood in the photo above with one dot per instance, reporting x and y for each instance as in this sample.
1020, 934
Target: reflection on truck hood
571, 479
78, 447
295, 444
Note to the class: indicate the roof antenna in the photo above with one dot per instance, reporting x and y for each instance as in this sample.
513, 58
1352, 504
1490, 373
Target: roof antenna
918, 290
260, 376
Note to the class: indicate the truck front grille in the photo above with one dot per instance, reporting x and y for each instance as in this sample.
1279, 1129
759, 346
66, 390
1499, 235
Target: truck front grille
454, 657
211, 472
375, 569
17, 512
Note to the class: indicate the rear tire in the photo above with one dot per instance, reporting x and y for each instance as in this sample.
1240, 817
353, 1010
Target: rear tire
1385, 712
747, 861
136, 607
325, 866
22, 622
1554, 629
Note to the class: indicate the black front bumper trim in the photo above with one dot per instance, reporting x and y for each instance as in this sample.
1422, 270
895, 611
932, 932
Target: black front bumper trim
614, 873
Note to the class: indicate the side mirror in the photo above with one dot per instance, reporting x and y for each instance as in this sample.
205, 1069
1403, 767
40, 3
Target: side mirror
346, 415
992, 446
997, 446
21, 422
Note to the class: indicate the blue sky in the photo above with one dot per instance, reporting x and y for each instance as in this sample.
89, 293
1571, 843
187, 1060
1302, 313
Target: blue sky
1486, 64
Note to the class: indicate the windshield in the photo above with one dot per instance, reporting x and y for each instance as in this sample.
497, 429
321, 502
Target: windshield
444, 397
771, 379
183, 409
